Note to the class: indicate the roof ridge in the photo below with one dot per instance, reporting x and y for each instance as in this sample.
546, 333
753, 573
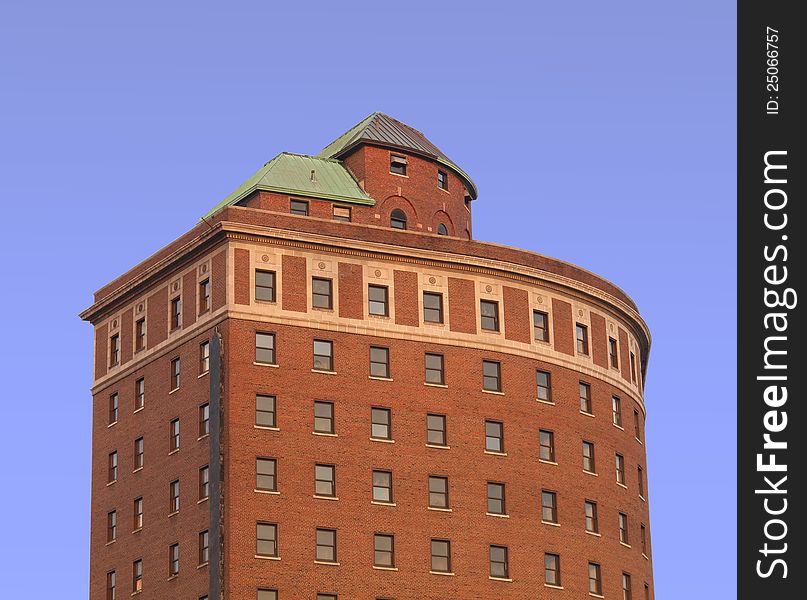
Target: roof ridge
311, 156
349, 136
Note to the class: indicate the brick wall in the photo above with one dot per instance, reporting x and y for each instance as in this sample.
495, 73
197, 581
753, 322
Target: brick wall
468, 467
151, 482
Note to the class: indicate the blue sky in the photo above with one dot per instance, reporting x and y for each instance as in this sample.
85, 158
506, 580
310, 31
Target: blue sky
599, 133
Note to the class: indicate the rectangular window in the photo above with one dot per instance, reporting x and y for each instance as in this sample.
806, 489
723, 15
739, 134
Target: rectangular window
114, 350
266, 474
585, 398
204, 548
137, 514
435, 372
620, 469
111, 526
633, 367
173, 496
594, 579
140, 394
341, 213
549, 507
204, 296
265, 415
298, 207
494, 436
640, 481
498, 562
643, 538
613, 354
592, 522
326, 545
546, 445
204, 420
266, 539
173, 560
265, 348
552, 569
436, 430
378, 300
623, 528
204, 482
616, 410
441, 556
173, 435
381, 423
540, 326
581, 335
321, 293
204, 357
138, 453
496, 498
270, 595
491, 376
323, 417
397, 164
490, 315
379, 362
176, 313
637, 431
325, 480
140, 335
111, 586
112, 467
113, 408
323, 355
442, 179
543, 383
265, 286
627, 589
175, 374
438, 491
382, 486
589, 464
432, 307
137, 576
384, 550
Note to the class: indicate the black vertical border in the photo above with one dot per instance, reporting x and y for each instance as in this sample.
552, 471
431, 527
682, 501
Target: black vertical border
759, 133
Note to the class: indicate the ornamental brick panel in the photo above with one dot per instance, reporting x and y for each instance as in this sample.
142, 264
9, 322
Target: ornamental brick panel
517, 315
599, 341
462, 311
406, 298
351, 294
295, 296
562, 327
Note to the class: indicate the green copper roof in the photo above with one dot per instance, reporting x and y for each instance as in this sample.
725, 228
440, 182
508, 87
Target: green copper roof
301, 175
383, 130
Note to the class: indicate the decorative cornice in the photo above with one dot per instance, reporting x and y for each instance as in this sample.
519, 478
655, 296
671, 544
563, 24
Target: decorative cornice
408, 255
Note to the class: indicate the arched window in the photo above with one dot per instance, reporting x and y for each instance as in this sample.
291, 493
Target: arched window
397, 219
441, 229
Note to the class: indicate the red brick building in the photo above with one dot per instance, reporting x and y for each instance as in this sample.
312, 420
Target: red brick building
327, 389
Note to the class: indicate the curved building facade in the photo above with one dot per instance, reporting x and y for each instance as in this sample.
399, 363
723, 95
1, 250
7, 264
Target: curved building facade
328, 390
